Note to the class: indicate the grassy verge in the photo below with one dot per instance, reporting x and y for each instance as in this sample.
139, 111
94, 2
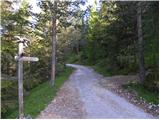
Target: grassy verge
149, 96
40, 96
101, 70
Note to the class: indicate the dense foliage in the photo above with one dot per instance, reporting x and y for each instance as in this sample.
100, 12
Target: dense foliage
37, 28
105, 38
112, 39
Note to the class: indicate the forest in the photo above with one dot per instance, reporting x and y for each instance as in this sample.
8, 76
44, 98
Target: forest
112, 37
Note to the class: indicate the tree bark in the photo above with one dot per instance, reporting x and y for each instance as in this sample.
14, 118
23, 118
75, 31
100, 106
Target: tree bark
140, 44
53, 61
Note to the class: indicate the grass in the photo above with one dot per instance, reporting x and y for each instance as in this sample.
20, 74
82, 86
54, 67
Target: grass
149, 96
40, 96
101, 70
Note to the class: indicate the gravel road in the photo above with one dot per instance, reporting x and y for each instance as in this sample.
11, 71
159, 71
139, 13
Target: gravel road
83, 97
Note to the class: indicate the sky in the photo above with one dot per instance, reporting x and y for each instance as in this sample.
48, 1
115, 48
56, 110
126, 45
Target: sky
36, 9
33, 3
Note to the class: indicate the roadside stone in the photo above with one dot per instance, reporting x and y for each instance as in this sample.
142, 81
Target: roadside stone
150, 107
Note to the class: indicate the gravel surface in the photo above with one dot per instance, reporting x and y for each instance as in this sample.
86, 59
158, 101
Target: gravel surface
83, 97
115, 84
66, 104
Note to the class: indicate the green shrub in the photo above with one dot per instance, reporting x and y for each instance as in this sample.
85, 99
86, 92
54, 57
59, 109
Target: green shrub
39, 97
9, 95
152, 81
143, 92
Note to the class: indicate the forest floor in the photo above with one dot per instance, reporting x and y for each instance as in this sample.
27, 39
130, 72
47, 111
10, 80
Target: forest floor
85, 96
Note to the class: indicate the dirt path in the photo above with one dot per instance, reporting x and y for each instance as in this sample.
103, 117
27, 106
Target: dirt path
83, 97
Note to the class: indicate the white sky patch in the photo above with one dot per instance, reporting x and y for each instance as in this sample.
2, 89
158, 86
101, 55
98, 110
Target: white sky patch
83, 7
16, 6
33, 3
89, 3
37, 9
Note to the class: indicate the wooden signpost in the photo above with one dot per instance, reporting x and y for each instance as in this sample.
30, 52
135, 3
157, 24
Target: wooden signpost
20, 58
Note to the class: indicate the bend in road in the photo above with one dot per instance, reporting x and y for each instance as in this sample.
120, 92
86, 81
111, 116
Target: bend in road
100, 102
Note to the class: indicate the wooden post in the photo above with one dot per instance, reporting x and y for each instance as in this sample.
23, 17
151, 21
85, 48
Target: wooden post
20, 58
20, 82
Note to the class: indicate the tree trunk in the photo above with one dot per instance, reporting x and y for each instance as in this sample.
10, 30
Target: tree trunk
53, 62
140, 45
77, 47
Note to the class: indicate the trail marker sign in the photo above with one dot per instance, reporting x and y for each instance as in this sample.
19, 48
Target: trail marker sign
23, 42
34, 59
